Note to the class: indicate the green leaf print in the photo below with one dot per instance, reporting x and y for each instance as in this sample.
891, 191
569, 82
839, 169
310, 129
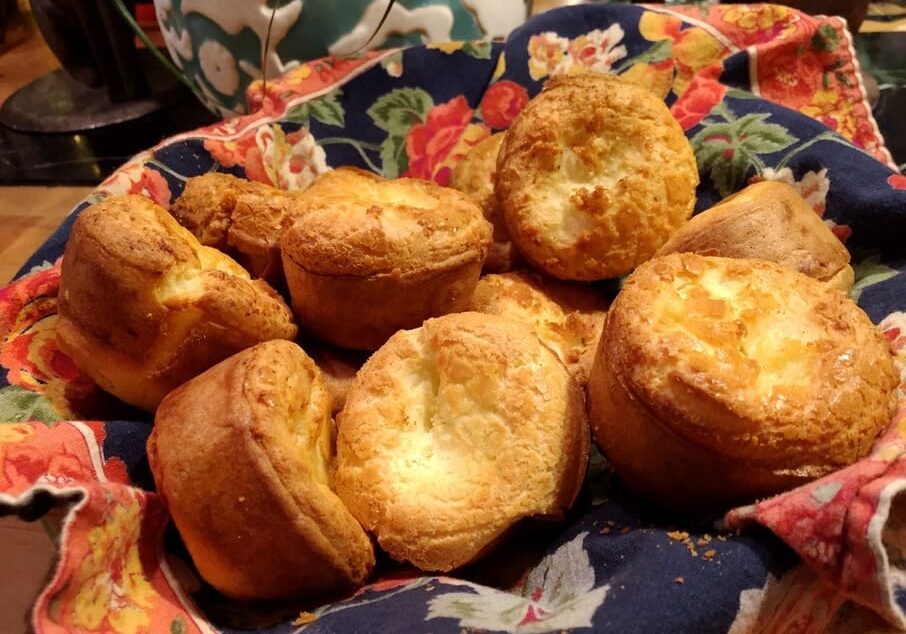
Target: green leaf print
398, 110
479, 49
763, 138
177, 626
657, 52
728, 149
394, 160
869, 272
825, 39
327, 109
18, 404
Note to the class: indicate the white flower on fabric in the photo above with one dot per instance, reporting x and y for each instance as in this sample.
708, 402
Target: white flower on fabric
546, 51
291, 161
813, 186
597, 50
750, 607
561, 595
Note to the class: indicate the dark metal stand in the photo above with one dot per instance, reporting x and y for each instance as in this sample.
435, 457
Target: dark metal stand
104, 79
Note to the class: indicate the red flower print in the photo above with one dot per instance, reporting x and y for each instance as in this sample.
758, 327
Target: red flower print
434, 147
30, 453
391, 582
28, 349
137, 178
897, 181
703, 93
153, 185
842, 232
268, 100
502, 102
15, 298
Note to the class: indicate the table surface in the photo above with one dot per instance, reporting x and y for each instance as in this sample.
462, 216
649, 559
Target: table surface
28, 214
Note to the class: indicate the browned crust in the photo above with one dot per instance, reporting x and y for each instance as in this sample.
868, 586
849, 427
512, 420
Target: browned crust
455, 431
242, 218
407, 249
767, 220
121, 325
567, 316
474, 175
356, 224
239, 455
331, 307
673, 404
593, 177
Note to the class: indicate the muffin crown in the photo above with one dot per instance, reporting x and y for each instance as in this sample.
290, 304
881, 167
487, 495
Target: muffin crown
369, 226
593, 177
751, 360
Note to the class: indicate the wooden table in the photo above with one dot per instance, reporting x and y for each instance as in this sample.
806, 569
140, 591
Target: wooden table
28, 214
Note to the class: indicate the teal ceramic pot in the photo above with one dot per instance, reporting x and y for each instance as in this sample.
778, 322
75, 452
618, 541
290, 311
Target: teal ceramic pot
218, 43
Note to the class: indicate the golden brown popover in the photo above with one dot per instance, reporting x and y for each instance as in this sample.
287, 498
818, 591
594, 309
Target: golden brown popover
143, 307
371, 256
721, 380
767, 220
567, 316
243, 457
455, 431
593, 177
242, 218
474, 175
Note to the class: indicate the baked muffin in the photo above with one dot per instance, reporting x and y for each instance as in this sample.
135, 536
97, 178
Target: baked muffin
143, 307
455, 431
593, 177
242, 218
767, 220
242, 456
567, 316
373, 256
721, 380
474, 175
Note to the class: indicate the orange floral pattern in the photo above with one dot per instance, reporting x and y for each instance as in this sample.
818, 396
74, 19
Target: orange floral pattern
136, 177
28, 348
286, 160
796, 60
756, 24
692, 49
273, 97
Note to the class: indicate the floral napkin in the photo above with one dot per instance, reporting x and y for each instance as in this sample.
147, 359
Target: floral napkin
829, 557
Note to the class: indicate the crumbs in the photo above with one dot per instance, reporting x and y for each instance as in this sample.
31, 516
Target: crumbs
611, 526
305, 618
693, 545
